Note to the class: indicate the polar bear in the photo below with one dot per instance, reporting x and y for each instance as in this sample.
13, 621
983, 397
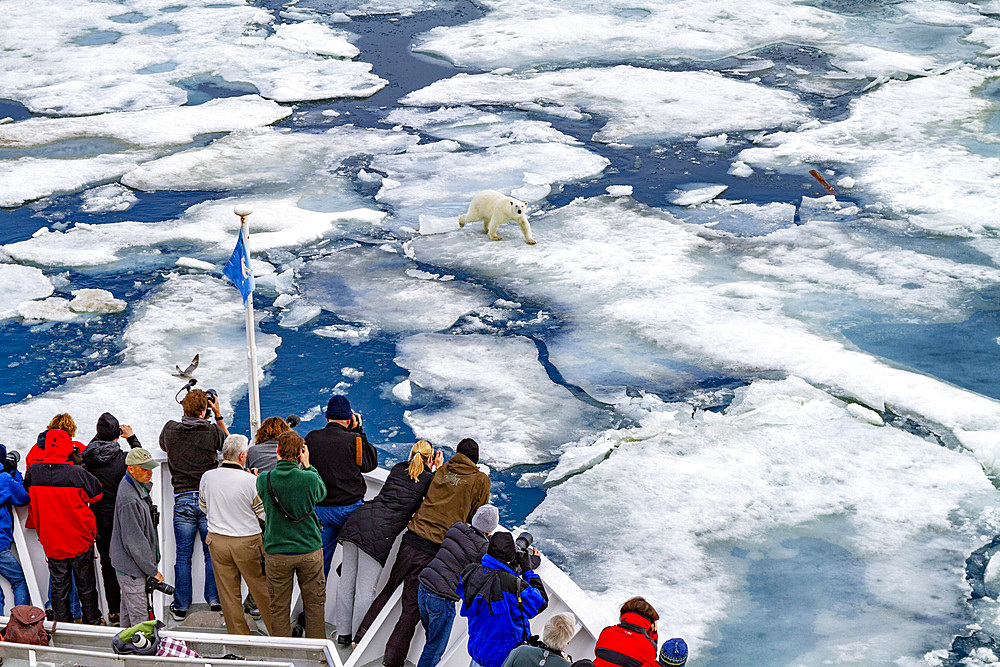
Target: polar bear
495, 208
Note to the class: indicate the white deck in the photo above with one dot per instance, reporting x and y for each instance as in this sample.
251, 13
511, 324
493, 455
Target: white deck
90, 645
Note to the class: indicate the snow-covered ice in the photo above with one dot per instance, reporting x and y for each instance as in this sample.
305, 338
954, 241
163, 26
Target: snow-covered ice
148, 128
499, 395
52, 65
185, 316
19, 284
784, 460
639, 103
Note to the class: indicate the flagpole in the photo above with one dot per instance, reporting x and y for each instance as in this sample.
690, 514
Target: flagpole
254, 390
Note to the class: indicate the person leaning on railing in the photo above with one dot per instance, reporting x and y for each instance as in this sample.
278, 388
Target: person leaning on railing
134, 548
192, 447
293, 548
104, 459
228, 496
61, 494
11, 493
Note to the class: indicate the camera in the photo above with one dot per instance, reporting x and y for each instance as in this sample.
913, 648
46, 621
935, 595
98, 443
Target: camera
212, 396
522, 549
10, 463
153, 585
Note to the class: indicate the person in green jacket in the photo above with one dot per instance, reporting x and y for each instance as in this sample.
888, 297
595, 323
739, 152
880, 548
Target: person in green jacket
293, 548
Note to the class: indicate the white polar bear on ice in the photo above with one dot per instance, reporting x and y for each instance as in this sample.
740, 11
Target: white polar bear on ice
495, 208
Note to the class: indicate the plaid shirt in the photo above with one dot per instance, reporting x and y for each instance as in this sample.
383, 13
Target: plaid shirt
175, 648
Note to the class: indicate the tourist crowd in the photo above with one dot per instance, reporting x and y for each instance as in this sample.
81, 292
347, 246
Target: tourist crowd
272, 514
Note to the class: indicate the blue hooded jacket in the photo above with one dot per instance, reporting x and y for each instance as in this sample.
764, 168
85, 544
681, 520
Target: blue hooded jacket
12, 492
499, 605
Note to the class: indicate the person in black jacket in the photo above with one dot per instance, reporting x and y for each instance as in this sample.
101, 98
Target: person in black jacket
192, 446
104, 459
340, 452
369, 533
436, 597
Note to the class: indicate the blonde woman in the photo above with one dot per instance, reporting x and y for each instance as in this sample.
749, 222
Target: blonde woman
369, 533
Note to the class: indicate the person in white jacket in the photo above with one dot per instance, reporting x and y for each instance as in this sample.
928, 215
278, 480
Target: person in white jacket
228, 496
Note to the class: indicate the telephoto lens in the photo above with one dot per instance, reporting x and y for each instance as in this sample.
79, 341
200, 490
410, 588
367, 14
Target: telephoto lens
523, 541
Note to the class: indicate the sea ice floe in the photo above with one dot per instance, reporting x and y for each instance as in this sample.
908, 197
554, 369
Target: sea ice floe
518, 35
475, 127
713, 143
108, 198
355, 335
698, 195
148, 128
99, 301
907, 146
498, 394
185, 316
364, 284
742, 219
50, 67
618, 269
443, 183
679, 498
264, 158
21, 283
639, 103
28, 178
52, 309
196, 264
275, 223
309, 37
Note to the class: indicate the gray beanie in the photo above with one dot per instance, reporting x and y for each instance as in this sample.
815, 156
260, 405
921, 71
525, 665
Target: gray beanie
486, 519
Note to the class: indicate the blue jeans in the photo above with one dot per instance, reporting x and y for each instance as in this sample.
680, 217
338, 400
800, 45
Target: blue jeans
10, 569
437, 616
189, 520
333, 519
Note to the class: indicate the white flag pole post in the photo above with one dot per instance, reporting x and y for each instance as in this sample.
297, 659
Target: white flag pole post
254, 391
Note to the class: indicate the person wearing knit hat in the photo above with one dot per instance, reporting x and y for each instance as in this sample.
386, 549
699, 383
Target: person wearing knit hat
341, 453
674, 652
463, 545
470, 448
105, 460
499, 601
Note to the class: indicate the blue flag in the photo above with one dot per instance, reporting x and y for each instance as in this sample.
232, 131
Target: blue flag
238, 270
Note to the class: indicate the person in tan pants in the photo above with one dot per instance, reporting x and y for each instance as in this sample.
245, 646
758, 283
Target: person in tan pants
292, 544
228, 496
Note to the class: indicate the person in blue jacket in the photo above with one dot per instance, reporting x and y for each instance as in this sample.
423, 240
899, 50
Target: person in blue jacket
498, 602
11, 493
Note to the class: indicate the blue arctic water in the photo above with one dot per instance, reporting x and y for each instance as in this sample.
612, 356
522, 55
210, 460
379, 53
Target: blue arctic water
819, 576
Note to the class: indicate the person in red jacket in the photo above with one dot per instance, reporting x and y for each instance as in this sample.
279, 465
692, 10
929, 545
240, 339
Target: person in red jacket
37, 452
61, 494
631, 643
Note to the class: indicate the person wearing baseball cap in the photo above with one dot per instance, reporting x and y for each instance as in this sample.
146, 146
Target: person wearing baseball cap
135, 552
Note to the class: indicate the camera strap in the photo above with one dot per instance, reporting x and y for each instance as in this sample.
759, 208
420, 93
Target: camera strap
281, 509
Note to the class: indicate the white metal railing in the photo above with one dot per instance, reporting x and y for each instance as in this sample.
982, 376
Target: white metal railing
564, 595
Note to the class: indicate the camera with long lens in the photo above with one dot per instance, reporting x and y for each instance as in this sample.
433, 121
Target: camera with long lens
153, 585
522, 549
10, 463
212, 396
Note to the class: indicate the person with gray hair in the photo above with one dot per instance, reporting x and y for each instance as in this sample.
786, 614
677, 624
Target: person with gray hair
548, 650
228, 497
